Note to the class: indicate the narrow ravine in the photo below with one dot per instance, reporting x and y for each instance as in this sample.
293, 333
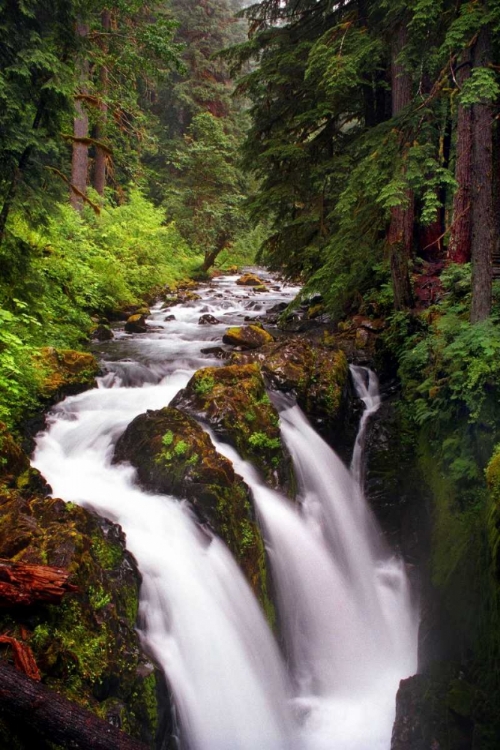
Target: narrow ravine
349, 629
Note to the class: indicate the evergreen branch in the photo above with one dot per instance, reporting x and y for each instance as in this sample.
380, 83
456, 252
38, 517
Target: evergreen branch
75, 190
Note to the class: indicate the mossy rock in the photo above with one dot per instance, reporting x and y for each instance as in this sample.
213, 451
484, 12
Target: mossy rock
15, 469
317, 375
86, 647
174, 455
136, 323
234, 402
247, 337
64, 372
250, 279
101, 332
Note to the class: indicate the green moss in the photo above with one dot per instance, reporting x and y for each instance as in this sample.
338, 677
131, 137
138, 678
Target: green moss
168, 438
181, 448
108, 555
203, 384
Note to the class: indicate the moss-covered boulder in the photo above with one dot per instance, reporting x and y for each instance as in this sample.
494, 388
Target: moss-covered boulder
234, 402
86, 647
247, 337
101, 332
315, 373
174, 455
136, 323
250, 279
64, 372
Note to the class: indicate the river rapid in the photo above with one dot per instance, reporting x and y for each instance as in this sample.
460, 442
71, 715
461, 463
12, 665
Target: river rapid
349, 629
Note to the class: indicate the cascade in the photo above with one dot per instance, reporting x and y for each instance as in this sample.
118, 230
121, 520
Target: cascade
348, 627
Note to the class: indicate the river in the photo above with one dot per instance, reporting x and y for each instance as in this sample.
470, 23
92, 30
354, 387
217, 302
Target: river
349, 629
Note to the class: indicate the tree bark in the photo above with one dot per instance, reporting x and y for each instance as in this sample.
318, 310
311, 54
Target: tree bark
482, 192
80, 158
24, 585
459, 248
55, 718
101, 156
400, 233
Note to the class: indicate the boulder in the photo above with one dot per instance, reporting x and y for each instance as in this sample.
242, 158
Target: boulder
174, 455
136, 324
101, 332
64, 372
215, 351
168, 318
247, 337
208, 319
234, 402
250, 279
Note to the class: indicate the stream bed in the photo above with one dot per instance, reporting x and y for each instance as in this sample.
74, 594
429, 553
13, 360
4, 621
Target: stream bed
349, 630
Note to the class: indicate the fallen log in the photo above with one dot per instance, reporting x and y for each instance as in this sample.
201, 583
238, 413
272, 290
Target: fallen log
23, 584
24, 660
55, 718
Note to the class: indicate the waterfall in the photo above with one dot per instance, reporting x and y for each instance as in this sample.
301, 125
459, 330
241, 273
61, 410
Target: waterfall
348, 628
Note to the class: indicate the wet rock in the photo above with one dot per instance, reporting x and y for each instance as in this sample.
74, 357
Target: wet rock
136, 324
438, 711
143, 311
208, 319
247, 337
277, 309
169, 302
64, 372
232, 270
15, 468
234, 402
174, 455
316, 374
215, 351
250, 279
167, 318
260, 288
101, 332
86, 647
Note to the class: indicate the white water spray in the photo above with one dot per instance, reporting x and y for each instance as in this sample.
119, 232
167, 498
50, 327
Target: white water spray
348, 627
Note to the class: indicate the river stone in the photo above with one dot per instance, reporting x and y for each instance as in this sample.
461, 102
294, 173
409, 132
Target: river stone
136, 324
247, 337
101, 332
167, 318
234, 402
173, 455
250, 279
208, 319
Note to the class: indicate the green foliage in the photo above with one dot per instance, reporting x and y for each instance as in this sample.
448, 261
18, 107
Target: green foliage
263, 442
78, 265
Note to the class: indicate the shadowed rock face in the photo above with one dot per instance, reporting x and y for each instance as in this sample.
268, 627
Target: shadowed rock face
174, 455
234, 402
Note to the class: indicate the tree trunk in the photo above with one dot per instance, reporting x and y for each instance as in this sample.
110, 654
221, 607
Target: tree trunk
459, 249
400, 233
482, 192
101, 156
52, 717
80, 159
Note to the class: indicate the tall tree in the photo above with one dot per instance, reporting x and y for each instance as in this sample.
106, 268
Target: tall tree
400, 235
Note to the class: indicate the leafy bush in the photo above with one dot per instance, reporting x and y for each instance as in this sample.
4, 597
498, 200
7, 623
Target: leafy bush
72, 267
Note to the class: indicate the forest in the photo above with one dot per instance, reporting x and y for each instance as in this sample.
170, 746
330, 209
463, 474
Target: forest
343, 160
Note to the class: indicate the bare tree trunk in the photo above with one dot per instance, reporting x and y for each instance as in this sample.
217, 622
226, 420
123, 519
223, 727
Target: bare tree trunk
400, 233
459, 249
482, 193
101, 155
80, 159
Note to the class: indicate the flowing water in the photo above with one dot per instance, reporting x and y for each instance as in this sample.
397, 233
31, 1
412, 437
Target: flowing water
347, 623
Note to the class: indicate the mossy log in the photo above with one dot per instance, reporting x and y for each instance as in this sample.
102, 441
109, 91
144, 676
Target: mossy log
56, 718
22, 584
